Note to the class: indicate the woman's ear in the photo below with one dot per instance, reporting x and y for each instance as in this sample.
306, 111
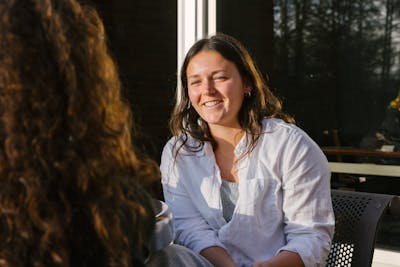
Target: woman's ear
246, 88
247, 91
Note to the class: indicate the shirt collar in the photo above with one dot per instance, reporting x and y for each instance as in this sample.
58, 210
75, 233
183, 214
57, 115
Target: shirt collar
268, 125
241, 146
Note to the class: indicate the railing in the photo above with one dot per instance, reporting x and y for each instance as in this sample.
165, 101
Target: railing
360, 152
363, 168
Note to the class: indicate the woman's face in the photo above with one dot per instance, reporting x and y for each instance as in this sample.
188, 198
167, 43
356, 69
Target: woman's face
216, 89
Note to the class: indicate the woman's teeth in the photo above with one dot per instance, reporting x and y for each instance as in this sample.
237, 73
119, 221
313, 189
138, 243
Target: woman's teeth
211, 103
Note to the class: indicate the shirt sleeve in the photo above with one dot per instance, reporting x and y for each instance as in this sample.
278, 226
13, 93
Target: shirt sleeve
307, 205
192, 230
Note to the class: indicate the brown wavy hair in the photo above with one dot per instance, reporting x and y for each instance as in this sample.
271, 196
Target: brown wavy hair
260, 104
69, 175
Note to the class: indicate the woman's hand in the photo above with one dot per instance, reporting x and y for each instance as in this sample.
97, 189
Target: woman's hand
218, 256
261, 264
283, 259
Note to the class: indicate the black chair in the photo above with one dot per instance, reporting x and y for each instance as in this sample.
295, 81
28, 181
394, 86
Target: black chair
357, 216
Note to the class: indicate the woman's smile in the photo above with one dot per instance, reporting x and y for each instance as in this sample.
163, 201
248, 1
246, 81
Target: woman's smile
212, 103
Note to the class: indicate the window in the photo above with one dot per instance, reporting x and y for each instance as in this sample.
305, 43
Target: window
337, 67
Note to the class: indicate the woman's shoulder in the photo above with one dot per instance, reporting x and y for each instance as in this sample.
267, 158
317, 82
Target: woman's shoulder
278, 129
270, 124
291, 142
184, 144
180, 140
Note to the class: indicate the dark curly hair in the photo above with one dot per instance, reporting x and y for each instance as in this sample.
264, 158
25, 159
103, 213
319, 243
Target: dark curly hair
69, 175
261, 103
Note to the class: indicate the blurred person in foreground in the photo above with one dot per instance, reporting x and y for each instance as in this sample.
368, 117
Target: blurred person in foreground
247, 187
70, 192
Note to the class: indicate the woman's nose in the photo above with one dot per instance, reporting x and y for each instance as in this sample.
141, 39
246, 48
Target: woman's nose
209, 87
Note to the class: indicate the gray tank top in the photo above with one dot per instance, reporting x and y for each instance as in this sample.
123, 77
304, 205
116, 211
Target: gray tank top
229, 196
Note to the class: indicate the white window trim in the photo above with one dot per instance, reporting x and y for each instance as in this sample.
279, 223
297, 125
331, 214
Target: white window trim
196, 20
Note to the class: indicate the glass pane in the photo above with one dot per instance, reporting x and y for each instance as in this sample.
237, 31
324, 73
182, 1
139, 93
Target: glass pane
337, 67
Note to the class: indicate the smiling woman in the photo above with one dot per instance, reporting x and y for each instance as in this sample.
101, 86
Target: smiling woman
216, 89
245, 185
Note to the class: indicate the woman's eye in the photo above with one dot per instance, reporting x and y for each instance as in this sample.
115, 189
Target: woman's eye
220, 78
194, 82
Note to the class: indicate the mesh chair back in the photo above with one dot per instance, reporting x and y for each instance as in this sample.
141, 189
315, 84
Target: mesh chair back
357, 215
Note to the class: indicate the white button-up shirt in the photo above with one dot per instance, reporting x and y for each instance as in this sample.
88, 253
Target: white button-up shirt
284, 197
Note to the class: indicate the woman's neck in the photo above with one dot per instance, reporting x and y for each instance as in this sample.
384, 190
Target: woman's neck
227, 139
226, 136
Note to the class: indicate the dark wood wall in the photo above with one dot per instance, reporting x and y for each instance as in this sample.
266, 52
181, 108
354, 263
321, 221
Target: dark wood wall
251, 22
143, 40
